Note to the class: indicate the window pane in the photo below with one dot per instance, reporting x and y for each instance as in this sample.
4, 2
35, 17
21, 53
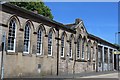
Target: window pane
39, 41
70, 49
49, 43
83, 45
26, 37
62, 45
11, 34
78, 48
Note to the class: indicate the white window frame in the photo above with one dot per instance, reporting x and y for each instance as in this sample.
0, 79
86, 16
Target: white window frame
15, 36
51, 44
83, 45
41, 48
78, 42
70, 53
89, 52
94, 53
29, 40
62, 48
88, 56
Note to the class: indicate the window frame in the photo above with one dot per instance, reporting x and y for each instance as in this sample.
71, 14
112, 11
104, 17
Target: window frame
62, 45
29, 38
51, 43
83, 49
78, 47
70, 49
94, 53
14, 33
41, 48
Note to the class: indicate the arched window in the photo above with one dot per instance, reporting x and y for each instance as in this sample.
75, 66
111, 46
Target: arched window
62, 46
93, 53
83, 49
12, 35
27, 38
70, 46
50, 44
89, 51
78, 47
39, 42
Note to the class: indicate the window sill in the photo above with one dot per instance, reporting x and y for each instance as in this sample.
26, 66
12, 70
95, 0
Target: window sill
27, 54
50, 56
11, 53
70, 58
62, 58
40, 56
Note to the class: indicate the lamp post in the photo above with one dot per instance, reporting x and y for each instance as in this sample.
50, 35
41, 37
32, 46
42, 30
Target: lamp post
3, 47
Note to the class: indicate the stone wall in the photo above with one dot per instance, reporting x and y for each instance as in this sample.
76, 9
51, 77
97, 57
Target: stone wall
18, 64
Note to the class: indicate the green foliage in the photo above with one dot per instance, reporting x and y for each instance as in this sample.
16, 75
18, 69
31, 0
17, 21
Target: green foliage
40, 7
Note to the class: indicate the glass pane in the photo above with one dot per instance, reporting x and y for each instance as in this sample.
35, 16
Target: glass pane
11, 34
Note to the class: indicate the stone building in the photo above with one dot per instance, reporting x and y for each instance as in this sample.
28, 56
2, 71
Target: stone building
36, 45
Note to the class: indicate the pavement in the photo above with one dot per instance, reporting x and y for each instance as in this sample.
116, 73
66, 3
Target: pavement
106, 75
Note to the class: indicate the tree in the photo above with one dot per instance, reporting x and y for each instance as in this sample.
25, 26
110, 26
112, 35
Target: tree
40, 7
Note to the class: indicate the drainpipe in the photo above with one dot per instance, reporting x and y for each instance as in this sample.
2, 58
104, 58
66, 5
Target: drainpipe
57, 51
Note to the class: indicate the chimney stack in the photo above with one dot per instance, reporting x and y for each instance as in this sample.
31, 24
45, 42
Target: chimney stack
77, 21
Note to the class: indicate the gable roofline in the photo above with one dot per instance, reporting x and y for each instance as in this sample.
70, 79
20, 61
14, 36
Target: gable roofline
10, 8
100, 40
13, 9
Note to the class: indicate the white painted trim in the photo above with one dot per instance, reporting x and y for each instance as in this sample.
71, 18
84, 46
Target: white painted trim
14, 38
41, 48
63, 52
88, 56
29, 41
83, 55
106, 46
71, 54
51, 52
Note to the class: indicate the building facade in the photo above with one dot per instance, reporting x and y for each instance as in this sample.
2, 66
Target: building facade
36, 45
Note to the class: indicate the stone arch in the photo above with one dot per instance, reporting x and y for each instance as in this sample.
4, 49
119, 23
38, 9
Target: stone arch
89, 56
31, 25
89, 42
17, 21
71, 45
83, 46
53, 30
71, 37
41, 26
94, 43
84, 39
77, 37
65, 35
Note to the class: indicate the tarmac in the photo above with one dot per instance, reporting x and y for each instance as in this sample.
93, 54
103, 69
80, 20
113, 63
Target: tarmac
77, 76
